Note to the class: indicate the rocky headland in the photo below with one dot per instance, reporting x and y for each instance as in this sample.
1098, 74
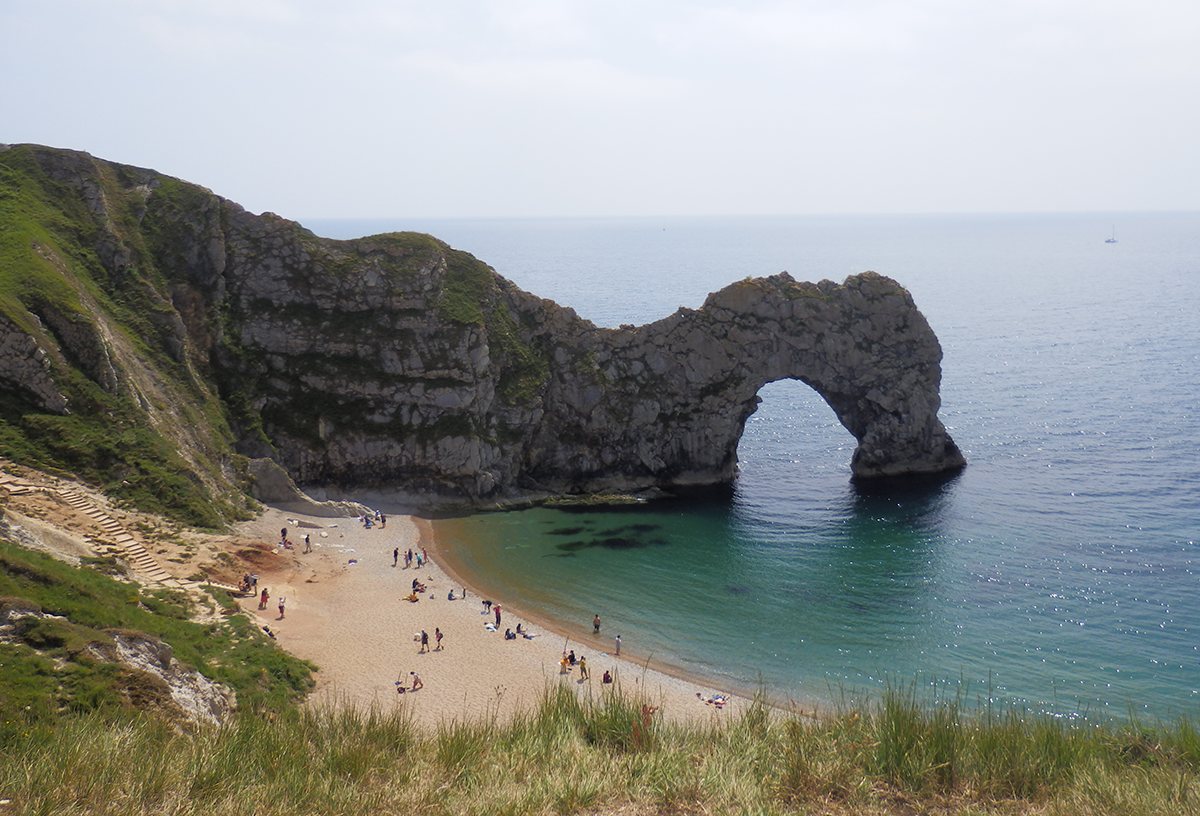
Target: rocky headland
396, 361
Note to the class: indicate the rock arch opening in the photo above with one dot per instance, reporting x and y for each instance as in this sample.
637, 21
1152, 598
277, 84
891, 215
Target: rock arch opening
665, 404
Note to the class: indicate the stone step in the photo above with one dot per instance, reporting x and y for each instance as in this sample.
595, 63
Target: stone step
114, 536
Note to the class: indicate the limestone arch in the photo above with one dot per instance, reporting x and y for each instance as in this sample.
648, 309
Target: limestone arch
665, 404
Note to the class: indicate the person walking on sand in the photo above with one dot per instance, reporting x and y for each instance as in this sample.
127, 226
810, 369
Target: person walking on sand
437, 635
395, 556
596, 624
282, 601
583, 672
307, 543
618, 645
424, 641
262, 599
496, 609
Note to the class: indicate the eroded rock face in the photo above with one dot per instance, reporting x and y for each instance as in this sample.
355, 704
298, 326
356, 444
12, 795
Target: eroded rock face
397, 361
666, 403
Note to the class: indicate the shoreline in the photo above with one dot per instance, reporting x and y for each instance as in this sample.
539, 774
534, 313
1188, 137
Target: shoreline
577, 634
345, 612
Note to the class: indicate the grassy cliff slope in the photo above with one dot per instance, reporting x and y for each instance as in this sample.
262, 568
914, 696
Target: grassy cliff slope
86, 270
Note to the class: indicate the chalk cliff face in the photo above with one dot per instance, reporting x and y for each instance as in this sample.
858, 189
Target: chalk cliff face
398, 361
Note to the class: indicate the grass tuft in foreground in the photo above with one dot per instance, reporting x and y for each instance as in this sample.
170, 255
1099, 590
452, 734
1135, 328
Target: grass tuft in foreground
607, 755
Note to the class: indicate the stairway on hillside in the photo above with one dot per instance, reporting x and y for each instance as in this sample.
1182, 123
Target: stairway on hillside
116, 536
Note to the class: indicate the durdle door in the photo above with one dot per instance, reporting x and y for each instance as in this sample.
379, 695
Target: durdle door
665, 404
396, 361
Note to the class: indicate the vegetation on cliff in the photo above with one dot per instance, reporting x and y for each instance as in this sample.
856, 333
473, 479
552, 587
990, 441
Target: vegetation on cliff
140, 421
49, 671
202, 334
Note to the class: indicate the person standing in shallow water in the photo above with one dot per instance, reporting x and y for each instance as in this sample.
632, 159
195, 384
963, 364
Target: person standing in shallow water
596, 624
618, 645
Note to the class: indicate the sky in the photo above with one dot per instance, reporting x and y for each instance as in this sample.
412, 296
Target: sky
536, 108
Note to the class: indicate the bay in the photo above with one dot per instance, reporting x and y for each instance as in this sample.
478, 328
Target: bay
1057, 572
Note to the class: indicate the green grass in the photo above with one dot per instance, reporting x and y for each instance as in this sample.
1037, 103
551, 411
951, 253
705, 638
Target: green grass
51, 275
571, 755
48, 673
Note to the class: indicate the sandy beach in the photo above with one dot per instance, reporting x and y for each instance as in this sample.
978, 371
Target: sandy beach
345, 610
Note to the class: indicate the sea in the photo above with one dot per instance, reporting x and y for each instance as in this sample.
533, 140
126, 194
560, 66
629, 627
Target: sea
1058, 573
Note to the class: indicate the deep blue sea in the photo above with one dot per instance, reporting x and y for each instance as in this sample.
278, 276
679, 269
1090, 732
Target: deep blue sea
1059, 572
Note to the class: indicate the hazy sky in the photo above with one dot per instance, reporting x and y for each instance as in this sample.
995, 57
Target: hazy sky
382, 108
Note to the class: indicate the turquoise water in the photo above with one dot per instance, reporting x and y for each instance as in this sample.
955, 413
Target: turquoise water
1057, 571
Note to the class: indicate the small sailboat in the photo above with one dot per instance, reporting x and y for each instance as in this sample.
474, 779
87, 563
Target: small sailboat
1113, 239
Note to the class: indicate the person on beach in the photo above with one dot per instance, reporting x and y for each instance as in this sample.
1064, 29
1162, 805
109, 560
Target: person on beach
282, 601
618, 645
564, 665
416, 681
571, 657
583, 672
496, 609
382, 521
283, 535
307, 543
424, 641
596, 625
395, 556
262, 599
607, 678
437, 634
487, 607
